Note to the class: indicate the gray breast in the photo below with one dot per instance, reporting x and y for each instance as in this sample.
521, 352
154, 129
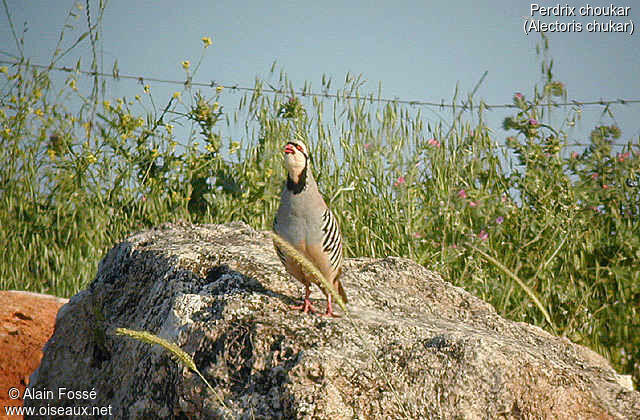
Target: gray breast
298, 217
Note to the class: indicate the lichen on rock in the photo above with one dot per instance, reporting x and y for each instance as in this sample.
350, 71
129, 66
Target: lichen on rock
413, 345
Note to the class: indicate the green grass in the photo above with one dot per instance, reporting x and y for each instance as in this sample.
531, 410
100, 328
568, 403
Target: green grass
547, 233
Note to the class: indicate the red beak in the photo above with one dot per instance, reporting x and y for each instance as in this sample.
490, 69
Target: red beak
289, 149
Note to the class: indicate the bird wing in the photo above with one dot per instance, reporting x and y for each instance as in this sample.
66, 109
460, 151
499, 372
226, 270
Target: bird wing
327, 253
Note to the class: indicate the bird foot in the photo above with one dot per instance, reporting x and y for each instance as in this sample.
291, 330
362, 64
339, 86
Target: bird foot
305, 307
330, 314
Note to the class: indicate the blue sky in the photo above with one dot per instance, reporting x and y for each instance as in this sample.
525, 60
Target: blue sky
419, 50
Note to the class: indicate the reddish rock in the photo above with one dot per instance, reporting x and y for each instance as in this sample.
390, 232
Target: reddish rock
26, 323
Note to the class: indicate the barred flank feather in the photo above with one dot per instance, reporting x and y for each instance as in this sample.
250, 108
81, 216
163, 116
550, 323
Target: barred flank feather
331, 239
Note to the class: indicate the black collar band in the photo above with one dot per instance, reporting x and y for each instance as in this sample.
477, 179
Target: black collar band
298, 187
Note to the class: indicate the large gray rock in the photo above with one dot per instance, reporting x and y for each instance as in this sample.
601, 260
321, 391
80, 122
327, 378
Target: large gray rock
414, 345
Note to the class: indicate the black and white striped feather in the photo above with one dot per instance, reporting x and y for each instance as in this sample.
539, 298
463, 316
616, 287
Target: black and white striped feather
331, 239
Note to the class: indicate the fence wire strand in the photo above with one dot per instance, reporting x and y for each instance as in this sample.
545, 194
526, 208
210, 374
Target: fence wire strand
213, 84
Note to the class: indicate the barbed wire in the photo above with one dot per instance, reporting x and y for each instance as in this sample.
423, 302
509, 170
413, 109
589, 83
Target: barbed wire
213, 84
142, 79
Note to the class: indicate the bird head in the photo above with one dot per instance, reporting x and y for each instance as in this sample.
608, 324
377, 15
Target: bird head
296, 159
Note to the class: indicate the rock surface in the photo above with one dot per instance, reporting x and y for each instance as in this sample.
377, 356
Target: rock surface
414, 346
26, 323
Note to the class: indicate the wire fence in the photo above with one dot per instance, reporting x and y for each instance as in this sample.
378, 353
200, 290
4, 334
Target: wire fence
461, 107
213, 84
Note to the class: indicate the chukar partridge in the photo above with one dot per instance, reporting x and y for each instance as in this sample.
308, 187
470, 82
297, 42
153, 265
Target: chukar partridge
306, 223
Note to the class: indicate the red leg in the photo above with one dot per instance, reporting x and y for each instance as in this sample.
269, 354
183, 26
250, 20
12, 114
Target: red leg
330, 309
306, 305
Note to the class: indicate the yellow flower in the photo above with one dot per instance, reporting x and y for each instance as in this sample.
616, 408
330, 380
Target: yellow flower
146, 88
176, 95
106, 104
219, 89
72, 84
52, 154
91, 158
186, 64
7, 131
138, 98
215, 106
38, 112
169, 128
5, 69
207, 41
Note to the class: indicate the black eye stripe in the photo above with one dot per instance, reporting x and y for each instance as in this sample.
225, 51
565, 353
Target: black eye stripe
296, 146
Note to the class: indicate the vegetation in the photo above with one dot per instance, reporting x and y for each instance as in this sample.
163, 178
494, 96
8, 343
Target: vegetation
547, 233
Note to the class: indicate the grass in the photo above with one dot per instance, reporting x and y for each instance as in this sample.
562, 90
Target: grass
547, 233
179, 355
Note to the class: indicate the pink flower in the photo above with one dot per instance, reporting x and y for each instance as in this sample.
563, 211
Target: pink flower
367, 146
472, 204
417, 235
454, 246
399, 182
433, 142
483, 235
594, 176
533, 121
504, 198
518, 95
622, 157
574, 155
499, 220
462, 194
605, 186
